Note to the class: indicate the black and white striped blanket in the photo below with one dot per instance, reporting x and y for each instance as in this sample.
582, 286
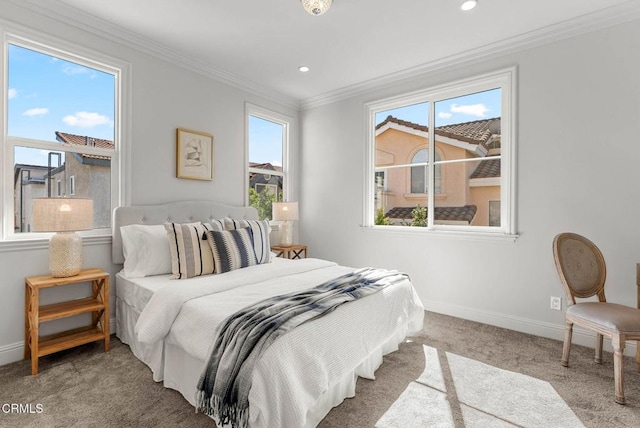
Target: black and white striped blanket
223, 388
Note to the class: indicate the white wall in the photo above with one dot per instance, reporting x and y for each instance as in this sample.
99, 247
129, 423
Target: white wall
164, 97
578, 169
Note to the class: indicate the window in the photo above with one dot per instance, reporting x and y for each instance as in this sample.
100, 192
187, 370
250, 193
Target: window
462, 131
419, 176
267, 153
62, 126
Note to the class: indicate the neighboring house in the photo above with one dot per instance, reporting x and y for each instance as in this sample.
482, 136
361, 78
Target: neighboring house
261, 182
28, 183
79, 176
465, 192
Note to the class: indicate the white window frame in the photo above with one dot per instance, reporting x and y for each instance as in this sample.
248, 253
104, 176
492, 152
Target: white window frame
120, 165
504, 79
280, 119
270, 187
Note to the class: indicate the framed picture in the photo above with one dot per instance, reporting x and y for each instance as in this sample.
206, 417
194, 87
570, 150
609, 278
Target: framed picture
194, 155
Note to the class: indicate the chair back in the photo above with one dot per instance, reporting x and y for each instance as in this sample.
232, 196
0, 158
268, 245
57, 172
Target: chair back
580, 265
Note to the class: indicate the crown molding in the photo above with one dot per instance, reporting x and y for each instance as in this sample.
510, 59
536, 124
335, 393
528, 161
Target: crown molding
69, 15
594, 21
563, 30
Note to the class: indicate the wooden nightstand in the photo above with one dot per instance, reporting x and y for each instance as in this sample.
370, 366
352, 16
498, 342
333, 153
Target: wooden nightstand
97, 304
293, 252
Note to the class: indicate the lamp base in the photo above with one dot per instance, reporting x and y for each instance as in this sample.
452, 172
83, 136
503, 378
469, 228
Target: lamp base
65, 254
286, 233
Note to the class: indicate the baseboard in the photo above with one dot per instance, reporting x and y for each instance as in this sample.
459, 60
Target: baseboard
15, 351
11, 353
537, 328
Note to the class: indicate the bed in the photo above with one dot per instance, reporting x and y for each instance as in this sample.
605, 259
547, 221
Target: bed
304, 373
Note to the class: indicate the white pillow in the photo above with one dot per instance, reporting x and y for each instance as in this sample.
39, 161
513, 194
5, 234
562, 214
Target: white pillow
146, 250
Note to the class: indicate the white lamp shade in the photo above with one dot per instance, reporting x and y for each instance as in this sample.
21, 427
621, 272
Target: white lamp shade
62, 214
285, 211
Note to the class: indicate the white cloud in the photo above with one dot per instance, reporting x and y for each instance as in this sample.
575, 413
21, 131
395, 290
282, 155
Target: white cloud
85, 119
38, 111
444, 115
479, 110
13, 92
74, 69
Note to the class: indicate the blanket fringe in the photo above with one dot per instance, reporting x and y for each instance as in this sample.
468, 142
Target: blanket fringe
225, 414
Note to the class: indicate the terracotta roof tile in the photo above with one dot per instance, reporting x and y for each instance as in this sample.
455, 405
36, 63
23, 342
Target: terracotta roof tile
487, 169
81, 140
465, 213
475, 132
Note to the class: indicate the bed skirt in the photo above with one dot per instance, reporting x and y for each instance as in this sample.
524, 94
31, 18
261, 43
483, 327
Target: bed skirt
180, 371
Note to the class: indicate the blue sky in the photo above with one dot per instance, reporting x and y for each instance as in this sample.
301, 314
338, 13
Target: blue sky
483, 105
48, 94
265, 141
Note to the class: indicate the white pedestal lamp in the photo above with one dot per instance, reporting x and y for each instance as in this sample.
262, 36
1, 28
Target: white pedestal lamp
287, 212
65, 216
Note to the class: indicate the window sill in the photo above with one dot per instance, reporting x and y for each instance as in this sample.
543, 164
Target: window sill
439, 233
39, 243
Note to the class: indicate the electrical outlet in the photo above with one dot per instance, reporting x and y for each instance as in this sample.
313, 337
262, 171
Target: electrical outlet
556, 303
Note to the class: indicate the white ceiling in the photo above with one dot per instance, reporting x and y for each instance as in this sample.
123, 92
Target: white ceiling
259, 44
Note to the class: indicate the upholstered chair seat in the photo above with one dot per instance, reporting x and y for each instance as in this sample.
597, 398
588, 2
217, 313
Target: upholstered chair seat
582, 271
615, 318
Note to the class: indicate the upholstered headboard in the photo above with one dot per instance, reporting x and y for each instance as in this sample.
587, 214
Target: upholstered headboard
176, 212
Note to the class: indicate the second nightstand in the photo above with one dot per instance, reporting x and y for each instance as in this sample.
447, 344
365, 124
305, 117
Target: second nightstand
293, 252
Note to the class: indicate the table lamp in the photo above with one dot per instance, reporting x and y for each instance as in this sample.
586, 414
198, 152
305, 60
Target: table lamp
286, 212
64, 216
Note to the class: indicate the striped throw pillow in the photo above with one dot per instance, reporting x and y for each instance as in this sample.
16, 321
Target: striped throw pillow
260, 230
232, 249
215, 224
190, 255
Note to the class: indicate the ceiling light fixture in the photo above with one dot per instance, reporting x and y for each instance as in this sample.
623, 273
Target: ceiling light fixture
303, 68
468, 4
316, 7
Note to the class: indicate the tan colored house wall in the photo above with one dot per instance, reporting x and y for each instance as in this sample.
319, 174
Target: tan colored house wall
395, 147
480, 197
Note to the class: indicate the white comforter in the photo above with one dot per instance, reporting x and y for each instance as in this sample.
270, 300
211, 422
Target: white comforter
307, 371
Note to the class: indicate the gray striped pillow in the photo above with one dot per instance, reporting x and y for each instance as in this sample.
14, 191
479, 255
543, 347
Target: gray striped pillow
260, 230
232, 249
190, 255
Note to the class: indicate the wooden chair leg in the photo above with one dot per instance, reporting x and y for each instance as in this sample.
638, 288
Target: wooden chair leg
598, 358
568, 333
618, 365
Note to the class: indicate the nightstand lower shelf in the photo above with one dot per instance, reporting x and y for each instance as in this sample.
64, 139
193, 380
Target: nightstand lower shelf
68, 339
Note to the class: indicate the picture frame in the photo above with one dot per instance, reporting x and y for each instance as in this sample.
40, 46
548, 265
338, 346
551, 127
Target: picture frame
194, 155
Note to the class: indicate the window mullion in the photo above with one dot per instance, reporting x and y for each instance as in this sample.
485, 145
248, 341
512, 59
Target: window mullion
430, 167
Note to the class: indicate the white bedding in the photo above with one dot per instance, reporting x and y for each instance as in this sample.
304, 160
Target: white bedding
304, 373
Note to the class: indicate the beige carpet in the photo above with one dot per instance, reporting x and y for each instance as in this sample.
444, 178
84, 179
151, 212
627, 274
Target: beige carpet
455, 373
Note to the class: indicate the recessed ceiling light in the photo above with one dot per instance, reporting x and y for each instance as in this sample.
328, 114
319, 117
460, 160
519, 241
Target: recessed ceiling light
303, 68
468, 4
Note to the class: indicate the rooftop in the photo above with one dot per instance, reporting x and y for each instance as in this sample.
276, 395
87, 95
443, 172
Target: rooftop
474, 132
464, 213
